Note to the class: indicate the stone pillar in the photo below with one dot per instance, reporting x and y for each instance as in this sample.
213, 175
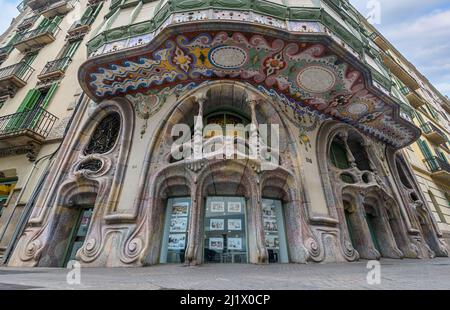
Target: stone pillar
254, 143
350, 157
198, 130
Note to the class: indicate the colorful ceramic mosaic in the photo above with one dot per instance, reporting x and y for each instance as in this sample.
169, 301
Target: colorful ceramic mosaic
306, 74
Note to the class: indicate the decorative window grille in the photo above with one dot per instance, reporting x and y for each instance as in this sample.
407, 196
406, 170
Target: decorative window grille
105, 135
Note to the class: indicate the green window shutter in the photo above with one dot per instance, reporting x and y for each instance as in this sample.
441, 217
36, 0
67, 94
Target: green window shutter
425, 149
44, 104
57, 19
97, 9
27, 104
49, 96
433, 165
13, 39
87, 13
44, 23
71, 49
29, 101
420, 118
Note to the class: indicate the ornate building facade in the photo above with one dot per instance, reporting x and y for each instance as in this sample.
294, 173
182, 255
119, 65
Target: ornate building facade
130, 152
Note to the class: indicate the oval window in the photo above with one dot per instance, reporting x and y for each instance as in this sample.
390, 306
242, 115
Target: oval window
105, 135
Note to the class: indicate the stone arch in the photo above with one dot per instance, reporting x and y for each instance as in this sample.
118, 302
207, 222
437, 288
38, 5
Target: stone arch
421, 225
350, 191
169, 182
232, 177
158, 159
280, 184
74, 175
73, 196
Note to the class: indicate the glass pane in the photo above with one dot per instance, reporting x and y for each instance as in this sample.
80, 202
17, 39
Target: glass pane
175, 230
274, 231
225, 239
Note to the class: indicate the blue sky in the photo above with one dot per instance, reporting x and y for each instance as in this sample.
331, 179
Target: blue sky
419, 29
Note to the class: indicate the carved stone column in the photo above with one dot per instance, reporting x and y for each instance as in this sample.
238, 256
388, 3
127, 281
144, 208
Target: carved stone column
198, 129
254, 143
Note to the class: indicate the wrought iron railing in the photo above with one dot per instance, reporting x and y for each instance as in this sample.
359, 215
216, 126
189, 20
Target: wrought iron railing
405, 90
28, 22
81, 22
56, 65
52, 28
436, 164
5, 50
38, 121
429, 127
21, 70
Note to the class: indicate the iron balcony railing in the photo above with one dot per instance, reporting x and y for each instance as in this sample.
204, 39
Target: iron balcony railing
56, 65
82, 22
436, 164
405, 90
5, 50
52, 29
38, 121
28, 22
21, 70
429, 128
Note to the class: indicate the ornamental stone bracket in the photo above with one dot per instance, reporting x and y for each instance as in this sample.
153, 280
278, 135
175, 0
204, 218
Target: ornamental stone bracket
30, 149
309, 71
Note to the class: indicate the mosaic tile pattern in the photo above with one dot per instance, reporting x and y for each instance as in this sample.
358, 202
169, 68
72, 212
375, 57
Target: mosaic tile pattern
305, 73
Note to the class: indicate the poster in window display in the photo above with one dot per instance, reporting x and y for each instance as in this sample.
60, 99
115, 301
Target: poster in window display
234, 224
177, 242
268, 210
234, 207
272, 242
216, 224
270, 225
217, 206
216, 243
178, 224
234, 243
180, 209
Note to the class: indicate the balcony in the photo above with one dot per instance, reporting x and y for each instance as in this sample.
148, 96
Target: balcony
79, 28
4, 51
413, 97
400, 72
36, 5
27, 23
94, 2
380, 41
37, 37
439, 168
14, 77
54, 69
57, 8
23, 132
434, 134
446, 105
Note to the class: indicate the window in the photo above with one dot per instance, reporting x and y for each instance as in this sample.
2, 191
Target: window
105, 135
6, 187
2, 102
437, 207
223, 119
359, 153
338, 155
35, 100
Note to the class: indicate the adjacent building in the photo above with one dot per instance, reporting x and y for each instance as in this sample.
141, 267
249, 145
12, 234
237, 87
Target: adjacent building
134, 133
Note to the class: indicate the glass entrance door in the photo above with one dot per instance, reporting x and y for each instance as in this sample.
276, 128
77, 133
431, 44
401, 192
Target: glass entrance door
175, 230
225, 230
79, 233
274, 231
